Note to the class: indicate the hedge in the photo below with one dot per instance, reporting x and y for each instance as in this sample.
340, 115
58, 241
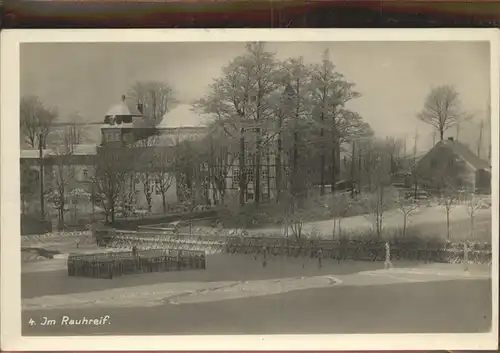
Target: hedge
363, 249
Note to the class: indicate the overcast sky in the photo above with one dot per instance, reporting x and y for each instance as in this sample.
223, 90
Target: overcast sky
393, 78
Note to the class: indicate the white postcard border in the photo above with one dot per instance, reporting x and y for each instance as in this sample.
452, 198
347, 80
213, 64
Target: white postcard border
11, 338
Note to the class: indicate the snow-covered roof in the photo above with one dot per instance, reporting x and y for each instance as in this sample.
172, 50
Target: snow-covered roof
181, 116
118, 126
84, 150
78, 150
35, 153
124, 108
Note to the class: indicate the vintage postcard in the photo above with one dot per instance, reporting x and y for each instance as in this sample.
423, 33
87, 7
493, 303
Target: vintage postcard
249, 189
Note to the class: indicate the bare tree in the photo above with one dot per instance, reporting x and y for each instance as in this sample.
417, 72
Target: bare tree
340, 205
474, 203
145, 165
63, 175
406, 207
380, 199
35, 119
77, 133
128, 196
293, 217
164, 167
111, 169
442, 109
448, 201
156, 99
221, 156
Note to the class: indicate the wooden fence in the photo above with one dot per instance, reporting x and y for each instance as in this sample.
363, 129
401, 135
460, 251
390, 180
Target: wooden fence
112, 264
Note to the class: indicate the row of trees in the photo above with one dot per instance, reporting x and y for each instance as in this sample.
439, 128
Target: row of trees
297, 111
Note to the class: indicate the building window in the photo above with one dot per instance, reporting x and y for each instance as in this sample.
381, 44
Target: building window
236, 176
250, 174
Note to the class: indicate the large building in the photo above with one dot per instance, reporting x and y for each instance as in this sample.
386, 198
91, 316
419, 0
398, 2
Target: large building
123, 127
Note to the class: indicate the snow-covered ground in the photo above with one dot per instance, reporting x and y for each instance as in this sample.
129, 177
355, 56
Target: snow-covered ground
178, 293
433, 216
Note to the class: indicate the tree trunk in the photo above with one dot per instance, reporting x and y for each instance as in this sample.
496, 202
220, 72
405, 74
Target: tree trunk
334, 169
295, 165
268, 181
257, 169
405, 220
322, 158
112, 213
164, 202
277, 167
322, 173
448, 224
340, 228
222, 198
353, 159
441, 134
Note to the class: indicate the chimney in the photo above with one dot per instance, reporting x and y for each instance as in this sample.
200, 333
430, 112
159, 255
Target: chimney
140, 107
450, 139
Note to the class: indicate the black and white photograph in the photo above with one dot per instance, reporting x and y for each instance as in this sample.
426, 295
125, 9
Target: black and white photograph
255, 187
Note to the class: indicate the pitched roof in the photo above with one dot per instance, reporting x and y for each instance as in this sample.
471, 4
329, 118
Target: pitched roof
124, 107
463, 151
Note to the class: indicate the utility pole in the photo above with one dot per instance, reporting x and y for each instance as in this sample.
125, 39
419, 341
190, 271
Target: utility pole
353, 161
242, 168
42, 200
415, 165
209, 169
480, 140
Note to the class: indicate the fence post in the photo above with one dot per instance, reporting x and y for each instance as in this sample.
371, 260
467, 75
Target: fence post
466, 256
387, 263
